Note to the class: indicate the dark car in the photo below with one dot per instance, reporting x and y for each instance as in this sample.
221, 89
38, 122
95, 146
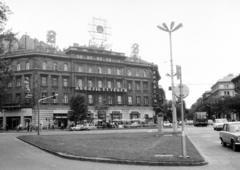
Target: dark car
230, 135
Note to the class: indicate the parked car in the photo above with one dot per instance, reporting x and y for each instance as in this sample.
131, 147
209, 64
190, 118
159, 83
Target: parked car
133, 125
189, 122
78, 127
210, 122
231, 135
218, 124
90, 127
167, 124
150, 124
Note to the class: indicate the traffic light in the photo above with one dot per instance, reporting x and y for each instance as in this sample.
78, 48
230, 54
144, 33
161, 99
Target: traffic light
54, 95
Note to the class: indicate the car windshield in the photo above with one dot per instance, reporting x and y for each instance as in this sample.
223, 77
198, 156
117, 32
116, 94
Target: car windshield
235, 127
221, 120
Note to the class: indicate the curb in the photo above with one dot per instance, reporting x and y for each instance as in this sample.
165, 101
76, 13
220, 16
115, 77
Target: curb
116, 161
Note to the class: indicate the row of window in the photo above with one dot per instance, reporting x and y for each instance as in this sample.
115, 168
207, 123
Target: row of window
90, 69
98, 58
119, 99
79, 83
90, 99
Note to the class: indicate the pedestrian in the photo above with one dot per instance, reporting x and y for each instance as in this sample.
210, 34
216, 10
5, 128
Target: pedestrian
62, 128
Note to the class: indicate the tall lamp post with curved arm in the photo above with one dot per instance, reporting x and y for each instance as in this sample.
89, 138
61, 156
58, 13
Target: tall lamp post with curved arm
165, 28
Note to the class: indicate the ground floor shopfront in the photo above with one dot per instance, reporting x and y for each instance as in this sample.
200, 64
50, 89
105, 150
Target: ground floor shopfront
10, 119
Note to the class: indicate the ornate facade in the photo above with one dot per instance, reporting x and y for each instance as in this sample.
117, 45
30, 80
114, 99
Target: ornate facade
127, 84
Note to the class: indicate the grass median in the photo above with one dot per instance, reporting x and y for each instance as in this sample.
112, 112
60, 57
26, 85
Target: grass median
144, 146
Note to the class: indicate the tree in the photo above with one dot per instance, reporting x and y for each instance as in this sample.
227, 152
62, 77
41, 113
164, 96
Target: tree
79, 108
7, 38
101, 107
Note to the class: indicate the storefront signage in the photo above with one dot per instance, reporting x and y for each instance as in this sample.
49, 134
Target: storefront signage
101, 89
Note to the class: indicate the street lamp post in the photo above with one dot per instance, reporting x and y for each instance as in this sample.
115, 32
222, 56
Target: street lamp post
172, 29
54, 95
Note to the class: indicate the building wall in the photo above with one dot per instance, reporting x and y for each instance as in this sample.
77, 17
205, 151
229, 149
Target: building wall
57, 109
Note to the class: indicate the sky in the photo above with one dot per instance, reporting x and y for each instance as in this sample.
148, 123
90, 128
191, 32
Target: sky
206, 47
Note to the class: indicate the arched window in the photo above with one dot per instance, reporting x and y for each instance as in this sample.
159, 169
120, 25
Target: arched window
109, 70
129, 73
80, 69
137, 73
109, 84
27, 66
144, 74
18, 66
65, 67
90, 69
55, 66
44, 65
80, 82
99, 70
118, 71
100, 83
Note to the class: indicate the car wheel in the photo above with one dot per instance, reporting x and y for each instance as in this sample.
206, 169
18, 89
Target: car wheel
234, 147
223, 143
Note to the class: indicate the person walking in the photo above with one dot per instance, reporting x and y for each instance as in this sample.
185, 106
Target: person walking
62, 127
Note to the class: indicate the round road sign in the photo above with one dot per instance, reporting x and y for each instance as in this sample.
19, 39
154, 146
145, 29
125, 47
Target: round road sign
185, 90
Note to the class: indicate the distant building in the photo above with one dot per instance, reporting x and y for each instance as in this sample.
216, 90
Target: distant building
223, 87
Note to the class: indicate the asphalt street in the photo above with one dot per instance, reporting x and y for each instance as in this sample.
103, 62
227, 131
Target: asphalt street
18, 155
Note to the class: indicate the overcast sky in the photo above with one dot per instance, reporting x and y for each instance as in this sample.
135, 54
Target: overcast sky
206, 47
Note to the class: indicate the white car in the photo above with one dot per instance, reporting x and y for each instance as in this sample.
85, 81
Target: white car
78, 127
90, 127
167, 124
218, 124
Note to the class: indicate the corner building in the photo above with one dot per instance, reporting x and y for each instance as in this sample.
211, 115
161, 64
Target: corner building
128, 85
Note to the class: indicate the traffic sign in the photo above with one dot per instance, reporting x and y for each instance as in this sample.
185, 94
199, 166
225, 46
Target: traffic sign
185, 90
